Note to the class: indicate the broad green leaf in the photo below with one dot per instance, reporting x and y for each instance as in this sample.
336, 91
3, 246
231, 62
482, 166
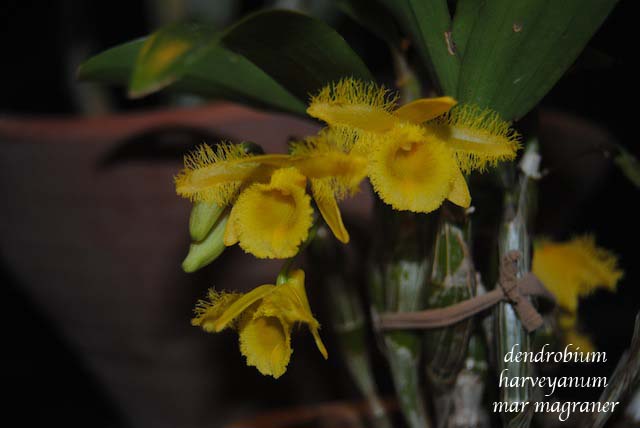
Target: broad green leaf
112, 66
167, 54
429, 23
225, 74
301, 53
463, 22
272, 58
374, 17
628, 164
219, 74
518, 50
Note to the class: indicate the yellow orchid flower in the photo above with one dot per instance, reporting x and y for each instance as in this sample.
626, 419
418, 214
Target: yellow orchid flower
574, 269
264, 318
271, 213
419, 151
271, 220
571, 270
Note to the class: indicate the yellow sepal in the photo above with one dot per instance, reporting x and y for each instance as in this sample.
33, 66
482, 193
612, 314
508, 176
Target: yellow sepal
459, 193
425, 109
328, 207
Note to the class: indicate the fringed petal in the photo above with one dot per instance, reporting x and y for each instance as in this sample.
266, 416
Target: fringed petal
479, 138
574, 269
350, 102
209, 311
217, 175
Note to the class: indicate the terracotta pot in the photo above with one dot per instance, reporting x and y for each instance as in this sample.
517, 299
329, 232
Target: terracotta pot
343, 414
92, 230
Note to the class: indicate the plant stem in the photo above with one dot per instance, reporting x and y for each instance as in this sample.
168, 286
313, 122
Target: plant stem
452, 280
515, 235
398, 282
348, 320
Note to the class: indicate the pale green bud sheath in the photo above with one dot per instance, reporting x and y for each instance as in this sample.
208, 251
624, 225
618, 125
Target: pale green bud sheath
206, 251
203, 216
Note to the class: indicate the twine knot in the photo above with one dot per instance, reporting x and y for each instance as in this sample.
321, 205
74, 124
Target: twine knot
510, 288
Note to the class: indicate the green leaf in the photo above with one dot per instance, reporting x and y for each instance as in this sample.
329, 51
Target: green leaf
167, 54
628, 164
429, 22
463, 22
301, 53
272, 58
518, 50
217, 73
112, 66
374, 17
225, 74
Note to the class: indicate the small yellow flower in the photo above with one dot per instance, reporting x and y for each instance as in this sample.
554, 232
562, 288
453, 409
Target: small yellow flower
272, 213
264, 318
574, 269
417, 152
571, 270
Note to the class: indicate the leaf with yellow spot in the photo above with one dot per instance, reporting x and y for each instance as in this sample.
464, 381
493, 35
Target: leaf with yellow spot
166, 55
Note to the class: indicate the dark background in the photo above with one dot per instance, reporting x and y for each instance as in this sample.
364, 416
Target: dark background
47, 381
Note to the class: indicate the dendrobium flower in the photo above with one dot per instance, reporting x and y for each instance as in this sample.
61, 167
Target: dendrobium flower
574, 269
264, 318
571, 270
272, 213
272, 220
418, 152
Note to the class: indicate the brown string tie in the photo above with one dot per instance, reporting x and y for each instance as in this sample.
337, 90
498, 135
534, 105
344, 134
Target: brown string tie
511, 289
